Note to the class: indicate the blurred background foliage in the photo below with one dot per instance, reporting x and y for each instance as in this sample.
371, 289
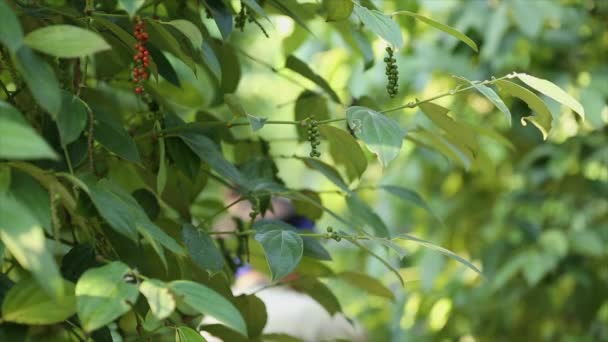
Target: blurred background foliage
535, 219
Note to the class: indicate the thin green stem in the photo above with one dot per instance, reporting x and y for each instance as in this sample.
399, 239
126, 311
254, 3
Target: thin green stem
68, 161
448, 93
324, 122
240, 199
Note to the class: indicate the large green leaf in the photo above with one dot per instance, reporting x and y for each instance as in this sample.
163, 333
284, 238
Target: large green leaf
327, 171
319, 292
33, 196
209, 302
302, 68
370, 284
11, 34
66, 41
380, 24
460, 133
23, 236
554, 92
364, 216
40, 80
114, 137
202, 249
445, 28
542, 120
160, 299
102, 295
189, 30
345, 151
338, 9
222, 16
126, 216
311, 247
410, 196
27, 303
283, 248
72, 117
18, 140
207, 151
381, 134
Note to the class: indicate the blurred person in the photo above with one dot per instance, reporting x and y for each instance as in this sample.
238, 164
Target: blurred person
289, 311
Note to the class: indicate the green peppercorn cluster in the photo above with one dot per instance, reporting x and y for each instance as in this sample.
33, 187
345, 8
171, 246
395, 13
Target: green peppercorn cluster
333, 235
391, 72
313, 138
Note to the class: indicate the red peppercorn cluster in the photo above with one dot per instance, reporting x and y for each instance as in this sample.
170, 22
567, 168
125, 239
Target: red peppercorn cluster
142, 56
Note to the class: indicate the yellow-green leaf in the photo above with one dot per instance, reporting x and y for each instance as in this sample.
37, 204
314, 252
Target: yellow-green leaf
66, 41
553, 91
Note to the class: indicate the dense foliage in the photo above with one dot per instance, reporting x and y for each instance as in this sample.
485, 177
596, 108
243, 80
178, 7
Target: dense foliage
460, 209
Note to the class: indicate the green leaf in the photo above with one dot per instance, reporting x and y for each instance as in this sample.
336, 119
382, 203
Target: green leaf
363, 281
410, 196
305, 208
381, 134
202, 249
131, 6
222, 16
311, 247
27, 303
441, 250
5, 179
159, 297
327, 170
445, 28
493, 97
209, 302
551, 90
364, 216
66, 41
542, 120
103, 295
189, 30
18, 140
72, 117
207, 151
345, 151
186, 334
11, 34
40, 80
283, 248
23, 236
460, 133
302, 68
126, 216
114, 137
338, 9
319, 292
381, 24
33, 196
253, 310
